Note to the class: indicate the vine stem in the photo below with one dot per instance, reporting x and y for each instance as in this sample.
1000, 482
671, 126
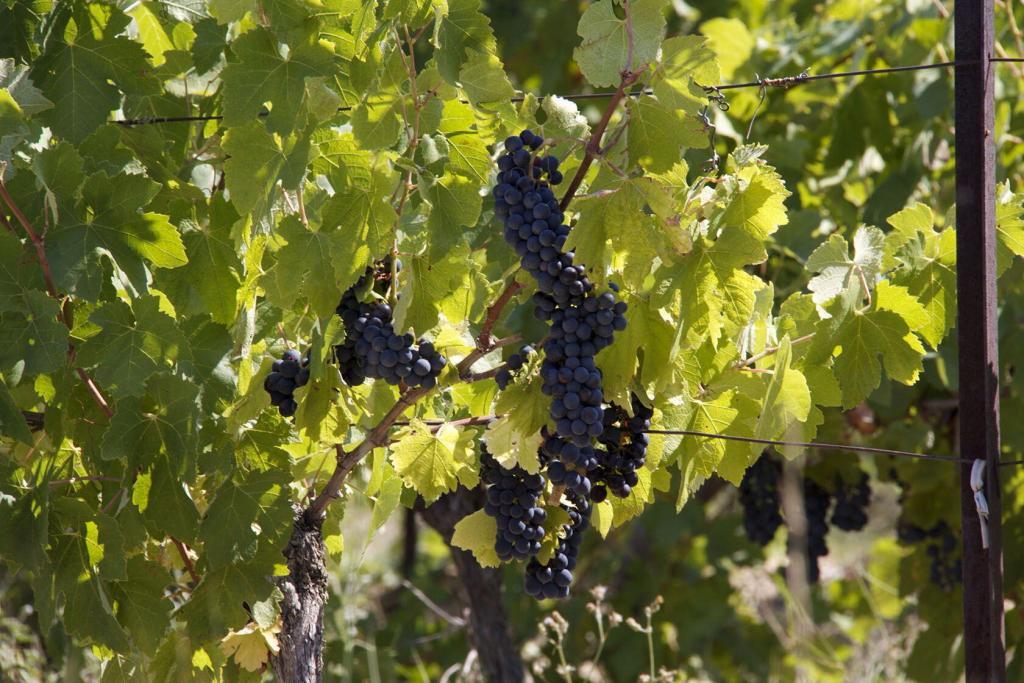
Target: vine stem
435, 425
51, 287
593, 148
95, 392
34, 237
769, 351
347, 460
190, 567
491, 317
75, 480
378, 436
476, 354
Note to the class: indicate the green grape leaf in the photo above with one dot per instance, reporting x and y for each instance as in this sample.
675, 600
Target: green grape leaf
554, 525
376, 122
659, 133
23, 527
925, 263
59, 170
110, 222
363, 227
214, 268
19, 274
648, 335
431, 287
14, 78
155, 40
19, 100
321, 414
260, 74
787, 401
724, 294
255, 164
34, 335
884, 331
12, 423
687, 64
248, 510
605, 49
142, 608
87, 612
732, 42
602, 516
514, 438
633, 505
838, 272
83, 70
165, 418
386, 499
1009, 231
475, 533
613, 230
218, 602
132, 345
455, 206
425, 461
756, 209
169, 508
483, 79
467, 150
306, 266
226, 11
463, 29
724, 410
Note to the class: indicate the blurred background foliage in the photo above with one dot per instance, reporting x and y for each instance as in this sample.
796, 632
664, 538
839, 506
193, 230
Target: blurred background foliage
852, 151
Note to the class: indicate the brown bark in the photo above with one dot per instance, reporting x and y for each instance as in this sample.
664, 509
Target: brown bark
481, 591
302, 608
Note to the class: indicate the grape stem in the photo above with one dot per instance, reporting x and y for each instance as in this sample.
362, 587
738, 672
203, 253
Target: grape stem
593, 148
556, 495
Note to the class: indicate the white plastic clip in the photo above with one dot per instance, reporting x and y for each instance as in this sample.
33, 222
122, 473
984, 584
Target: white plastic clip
978, 485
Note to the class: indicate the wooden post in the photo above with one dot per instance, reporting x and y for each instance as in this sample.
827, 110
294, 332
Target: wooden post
984, 632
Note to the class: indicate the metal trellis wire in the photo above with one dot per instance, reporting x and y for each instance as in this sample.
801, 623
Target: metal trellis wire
782, 82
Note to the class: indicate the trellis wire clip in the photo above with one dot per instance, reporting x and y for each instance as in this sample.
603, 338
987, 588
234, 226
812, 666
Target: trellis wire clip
977, 485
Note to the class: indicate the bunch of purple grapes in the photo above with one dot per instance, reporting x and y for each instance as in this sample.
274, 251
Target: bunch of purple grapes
759, 497
287, 374
625, 444
581, 321
513, 500
372, 348
553, 578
